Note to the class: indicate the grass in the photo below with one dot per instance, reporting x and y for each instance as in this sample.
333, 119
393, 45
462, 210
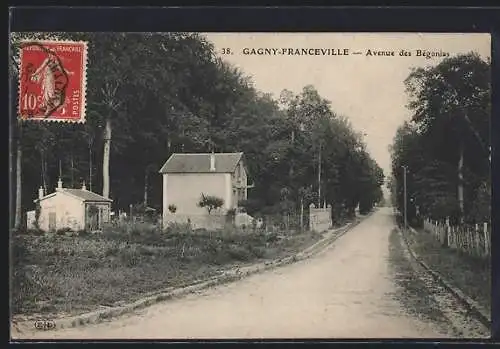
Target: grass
472, 275
411, 291
61, 274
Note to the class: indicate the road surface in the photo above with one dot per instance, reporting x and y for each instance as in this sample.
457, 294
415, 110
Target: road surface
348, 291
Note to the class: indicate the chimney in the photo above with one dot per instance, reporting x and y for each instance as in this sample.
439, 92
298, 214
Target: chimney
59, 183
40, 193
212, 162
83, 186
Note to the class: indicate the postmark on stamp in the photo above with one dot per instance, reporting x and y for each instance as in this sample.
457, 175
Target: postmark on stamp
52, 82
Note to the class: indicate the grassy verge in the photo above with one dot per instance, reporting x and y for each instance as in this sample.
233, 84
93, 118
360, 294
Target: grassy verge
411, 291
470, 274
67, 275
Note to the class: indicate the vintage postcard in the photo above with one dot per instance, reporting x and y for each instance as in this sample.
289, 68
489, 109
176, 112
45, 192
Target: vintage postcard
250, 185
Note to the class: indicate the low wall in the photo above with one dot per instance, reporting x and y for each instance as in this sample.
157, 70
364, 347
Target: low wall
243, 219
320, 219
210, 222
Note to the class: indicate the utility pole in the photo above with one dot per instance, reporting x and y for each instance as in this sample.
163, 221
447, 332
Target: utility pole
302, 213
319, 177
404, 190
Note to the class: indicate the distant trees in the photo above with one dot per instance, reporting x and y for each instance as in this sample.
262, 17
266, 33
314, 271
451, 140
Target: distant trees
446, 145
152, 94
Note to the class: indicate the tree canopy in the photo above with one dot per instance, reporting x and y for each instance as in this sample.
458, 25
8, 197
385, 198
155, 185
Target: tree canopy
169, 92
446, 145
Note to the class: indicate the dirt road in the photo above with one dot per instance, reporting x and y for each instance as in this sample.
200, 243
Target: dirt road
348, 291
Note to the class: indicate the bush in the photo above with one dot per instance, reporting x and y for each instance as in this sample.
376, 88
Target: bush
178, 228
210, 202
35, 231
63, 231
239, 253
172, 208
82, 232
272, 237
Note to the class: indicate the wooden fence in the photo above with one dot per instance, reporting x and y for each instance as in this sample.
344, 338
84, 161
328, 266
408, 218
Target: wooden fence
473, 240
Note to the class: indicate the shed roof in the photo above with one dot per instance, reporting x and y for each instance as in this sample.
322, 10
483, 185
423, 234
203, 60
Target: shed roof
86, 195
81, 194
200, 163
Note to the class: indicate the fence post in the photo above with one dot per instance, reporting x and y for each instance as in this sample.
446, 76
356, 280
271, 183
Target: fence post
477, 250
470, 246
447, 233
476, 232
486, 239
461, 241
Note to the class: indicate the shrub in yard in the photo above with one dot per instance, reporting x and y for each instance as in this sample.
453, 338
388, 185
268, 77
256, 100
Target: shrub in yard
82, 232
35, 232
239, 253
172, 208
210, 202
257, 251
178, 228
63, 231
38, 210
272, 237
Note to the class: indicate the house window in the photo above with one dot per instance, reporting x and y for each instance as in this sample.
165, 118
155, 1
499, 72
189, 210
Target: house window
52, 221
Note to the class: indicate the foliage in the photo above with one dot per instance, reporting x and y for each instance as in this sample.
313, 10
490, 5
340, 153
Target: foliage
38, 210
450, 103
210, 202
186, 99
172, 208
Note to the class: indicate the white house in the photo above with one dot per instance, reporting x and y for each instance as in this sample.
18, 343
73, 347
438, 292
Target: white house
187, 176
76, 209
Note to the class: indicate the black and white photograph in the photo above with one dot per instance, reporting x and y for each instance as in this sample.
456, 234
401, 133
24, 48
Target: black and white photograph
250, 185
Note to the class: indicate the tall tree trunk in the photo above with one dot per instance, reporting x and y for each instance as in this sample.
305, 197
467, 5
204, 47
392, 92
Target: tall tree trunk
72, 171
18, 213
11, 179
90, 167
319, 177
146, 188
105, 160
302, 213
460, 187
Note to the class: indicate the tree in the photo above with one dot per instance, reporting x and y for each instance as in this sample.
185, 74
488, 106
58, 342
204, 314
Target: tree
451, 106
210, 202
185, 99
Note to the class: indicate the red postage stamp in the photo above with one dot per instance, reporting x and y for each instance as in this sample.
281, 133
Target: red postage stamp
52, 82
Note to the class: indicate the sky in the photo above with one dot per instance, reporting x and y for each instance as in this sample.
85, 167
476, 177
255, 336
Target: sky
368, 89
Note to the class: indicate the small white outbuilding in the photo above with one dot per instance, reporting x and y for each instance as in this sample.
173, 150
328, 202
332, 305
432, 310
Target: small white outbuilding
76, 209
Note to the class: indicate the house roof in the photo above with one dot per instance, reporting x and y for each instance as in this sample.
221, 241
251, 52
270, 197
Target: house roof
200, 163
81, 194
